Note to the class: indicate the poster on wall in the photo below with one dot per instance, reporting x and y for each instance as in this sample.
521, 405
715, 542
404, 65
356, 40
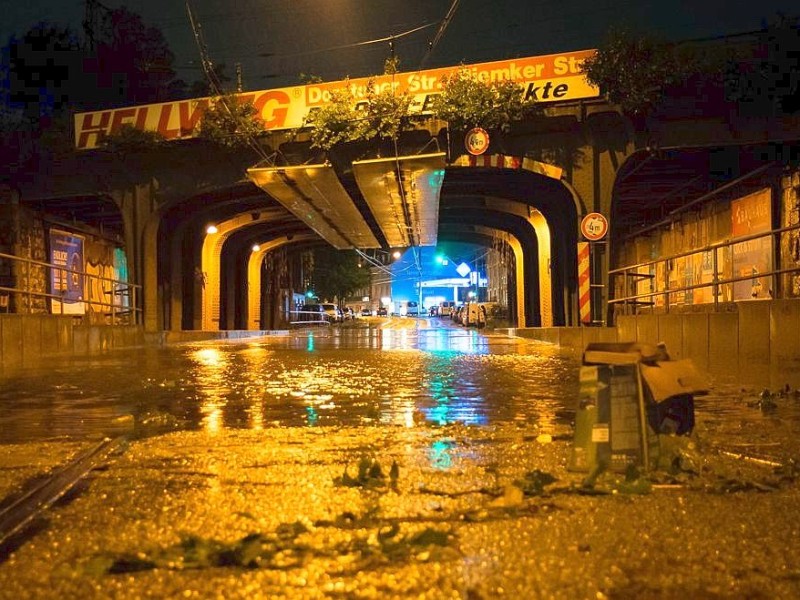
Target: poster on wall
704, 274
750, 215
66, 276
122, 296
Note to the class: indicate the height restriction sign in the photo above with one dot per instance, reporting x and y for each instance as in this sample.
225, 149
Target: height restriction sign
594, 226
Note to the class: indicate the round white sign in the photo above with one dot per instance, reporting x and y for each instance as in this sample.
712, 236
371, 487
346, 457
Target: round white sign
594, 226
476, 141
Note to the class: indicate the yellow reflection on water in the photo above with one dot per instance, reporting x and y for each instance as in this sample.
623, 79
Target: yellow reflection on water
256, 357
210, 375
210, 357
212, 417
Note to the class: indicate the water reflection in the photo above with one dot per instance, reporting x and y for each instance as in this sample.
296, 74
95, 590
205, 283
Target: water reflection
440, 454
209, 373
374, 377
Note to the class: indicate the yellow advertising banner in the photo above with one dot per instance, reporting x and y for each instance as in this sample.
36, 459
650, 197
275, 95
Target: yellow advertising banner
551, 78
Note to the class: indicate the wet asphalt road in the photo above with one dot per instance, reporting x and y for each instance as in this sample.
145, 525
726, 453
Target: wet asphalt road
373, 370
392, 459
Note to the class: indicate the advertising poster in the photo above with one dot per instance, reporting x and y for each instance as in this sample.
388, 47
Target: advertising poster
750, 215
704, 273
687, 277
122, 297
66, 278
660, 283
677, 279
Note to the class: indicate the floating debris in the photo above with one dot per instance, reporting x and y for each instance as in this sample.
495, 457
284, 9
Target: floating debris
370, 475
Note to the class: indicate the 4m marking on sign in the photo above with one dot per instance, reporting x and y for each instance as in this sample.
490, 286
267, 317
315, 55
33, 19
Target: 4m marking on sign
476, 141
594, 227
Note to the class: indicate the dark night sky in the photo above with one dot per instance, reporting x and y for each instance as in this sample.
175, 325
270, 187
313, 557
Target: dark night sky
306, 36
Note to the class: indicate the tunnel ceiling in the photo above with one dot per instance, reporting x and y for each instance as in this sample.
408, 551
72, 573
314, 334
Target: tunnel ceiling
653, 185
404, 196
97, 211
314, 195
401, 195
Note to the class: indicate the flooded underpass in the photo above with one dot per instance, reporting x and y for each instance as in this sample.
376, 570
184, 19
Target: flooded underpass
389, 460
325, 377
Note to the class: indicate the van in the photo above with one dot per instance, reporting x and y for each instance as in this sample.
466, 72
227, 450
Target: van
474, 315
446, 308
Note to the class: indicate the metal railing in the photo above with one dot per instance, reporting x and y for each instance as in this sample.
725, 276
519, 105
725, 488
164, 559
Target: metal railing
309, 318
26, 281
717, 274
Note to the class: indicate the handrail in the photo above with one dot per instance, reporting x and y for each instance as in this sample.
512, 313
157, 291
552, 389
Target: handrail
717, 281
124, 304
309, 317
708, 248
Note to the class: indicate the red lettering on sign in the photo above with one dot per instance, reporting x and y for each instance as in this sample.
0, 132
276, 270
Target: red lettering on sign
163, 123
188, 120
141, 118
272, 107
122, 116
89, 127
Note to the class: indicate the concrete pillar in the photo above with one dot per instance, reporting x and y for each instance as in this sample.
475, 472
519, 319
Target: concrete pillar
138, 205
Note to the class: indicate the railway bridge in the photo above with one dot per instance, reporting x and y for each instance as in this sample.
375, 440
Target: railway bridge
696, 205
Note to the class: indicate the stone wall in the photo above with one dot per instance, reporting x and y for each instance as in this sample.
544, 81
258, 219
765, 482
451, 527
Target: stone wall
790, 241
24, 234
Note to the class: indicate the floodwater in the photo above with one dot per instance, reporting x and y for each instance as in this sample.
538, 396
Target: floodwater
254, 467
376, 375
384, 372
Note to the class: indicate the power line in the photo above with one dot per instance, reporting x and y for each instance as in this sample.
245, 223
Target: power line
388, 38
215, 83
440, 32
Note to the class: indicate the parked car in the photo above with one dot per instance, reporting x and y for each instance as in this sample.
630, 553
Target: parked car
333, 312
381, 312
348, 313
366, 312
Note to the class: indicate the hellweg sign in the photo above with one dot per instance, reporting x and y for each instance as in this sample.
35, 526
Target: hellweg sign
551, 78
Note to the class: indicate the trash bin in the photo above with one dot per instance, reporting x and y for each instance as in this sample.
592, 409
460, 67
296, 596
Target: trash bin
630, 394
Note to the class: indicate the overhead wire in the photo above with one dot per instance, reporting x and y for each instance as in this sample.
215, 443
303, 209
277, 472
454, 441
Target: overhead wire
215, 83
439, 33
388, 38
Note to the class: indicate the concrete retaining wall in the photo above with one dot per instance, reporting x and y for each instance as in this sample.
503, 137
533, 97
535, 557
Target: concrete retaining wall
27, 339
756, 345
180, 337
